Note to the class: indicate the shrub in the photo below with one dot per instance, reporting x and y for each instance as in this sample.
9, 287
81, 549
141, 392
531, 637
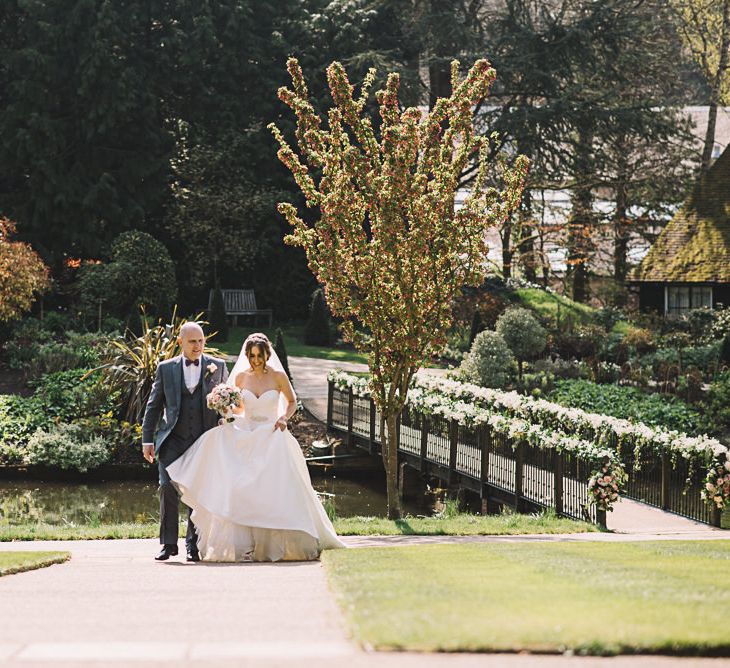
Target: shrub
67, 446
725, 350
583, 343
628, 403
317, 331
57, 322
33, 349
721, 323
280, 348
68, 395
699, 323
561, 368
717, 405
608, 316
489, 363
217, 317
24, 343
524, 335
20, 418
639, 340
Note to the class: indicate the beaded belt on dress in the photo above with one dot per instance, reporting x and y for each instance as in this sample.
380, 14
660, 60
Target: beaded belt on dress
259, 418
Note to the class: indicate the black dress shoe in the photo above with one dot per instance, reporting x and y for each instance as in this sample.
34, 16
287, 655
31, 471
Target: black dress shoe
166, 552
193, 555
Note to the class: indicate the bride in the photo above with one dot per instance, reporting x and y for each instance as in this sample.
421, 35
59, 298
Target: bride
247, 481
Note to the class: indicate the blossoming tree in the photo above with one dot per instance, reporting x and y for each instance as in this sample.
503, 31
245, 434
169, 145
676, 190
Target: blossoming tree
389, 246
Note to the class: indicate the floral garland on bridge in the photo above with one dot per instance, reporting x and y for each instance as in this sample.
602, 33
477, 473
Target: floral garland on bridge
611, 432
602, 432
608, 475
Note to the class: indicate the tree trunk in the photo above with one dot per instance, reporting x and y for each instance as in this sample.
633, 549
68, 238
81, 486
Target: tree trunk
390, 461
715, 91
527, 243
580, 227
439, 75
507, 248
621, 238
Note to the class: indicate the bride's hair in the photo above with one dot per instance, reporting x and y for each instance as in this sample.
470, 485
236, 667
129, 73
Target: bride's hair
260, 340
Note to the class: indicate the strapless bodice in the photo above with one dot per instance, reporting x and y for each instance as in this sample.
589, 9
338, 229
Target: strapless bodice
263, 408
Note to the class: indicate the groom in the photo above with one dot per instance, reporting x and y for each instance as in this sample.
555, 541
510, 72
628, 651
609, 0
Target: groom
178, 396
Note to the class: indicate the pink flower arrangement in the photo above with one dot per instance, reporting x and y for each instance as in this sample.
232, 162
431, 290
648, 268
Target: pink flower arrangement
716, 491
222, 398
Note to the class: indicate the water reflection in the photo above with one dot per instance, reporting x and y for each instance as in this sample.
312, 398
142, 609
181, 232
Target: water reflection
137, 501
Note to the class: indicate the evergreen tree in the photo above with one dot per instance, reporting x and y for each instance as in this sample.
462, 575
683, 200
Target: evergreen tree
217, 316
317, 331
85, 151
476, 326
280, 348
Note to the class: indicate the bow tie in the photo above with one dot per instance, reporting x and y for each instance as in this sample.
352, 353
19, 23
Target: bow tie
189, 362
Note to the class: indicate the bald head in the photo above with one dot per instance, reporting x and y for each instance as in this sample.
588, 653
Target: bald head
189, 329
191, 340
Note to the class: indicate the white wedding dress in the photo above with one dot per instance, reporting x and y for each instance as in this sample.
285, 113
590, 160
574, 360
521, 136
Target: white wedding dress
250, 490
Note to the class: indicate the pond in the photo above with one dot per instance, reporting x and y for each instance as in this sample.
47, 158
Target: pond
58, 503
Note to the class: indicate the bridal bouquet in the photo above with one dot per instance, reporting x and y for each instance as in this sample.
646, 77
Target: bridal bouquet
222, 398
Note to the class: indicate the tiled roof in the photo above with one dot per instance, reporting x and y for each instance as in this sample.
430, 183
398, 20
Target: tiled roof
695, 244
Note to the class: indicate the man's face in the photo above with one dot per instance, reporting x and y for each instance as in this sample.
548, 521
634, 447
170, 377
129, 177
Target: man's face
192, 343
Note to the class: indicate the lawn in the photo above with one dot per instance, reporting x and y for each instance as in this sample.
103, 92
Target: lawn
17, 562
602, 598
560, 308
458, 525
554, 306
293, 335
461, 525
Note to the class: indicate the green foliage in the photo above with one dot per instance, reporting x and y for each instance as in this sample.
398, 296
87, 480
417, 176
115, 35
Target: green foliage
489, 363
217, 317
280, 348
140, 273
583, 342
524, 335
66, 446
476, 326
725, 350
33, 349
67, 395
115, 145
717, 405
20, 418
561, 311
629, 403
24, 343
317, 331
705, 358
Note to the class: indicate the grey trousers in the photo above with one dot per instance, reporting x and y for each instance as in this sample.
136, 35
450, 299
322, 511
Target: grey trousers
169, 451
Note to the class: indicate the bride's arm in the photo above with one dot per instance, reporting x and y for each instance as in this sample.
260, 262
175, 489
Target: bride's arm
291, 406
238, 410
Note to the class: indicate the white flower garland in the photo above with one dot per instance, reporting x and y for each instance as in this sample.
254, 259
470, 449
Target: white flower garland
608, 475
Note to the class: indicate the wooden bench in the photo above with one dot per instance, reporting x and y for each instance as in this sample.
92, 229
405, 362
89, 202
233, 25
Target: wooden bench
240, 302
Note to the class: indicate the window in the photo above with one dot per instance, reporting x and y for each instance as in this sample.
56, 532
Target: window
681, 298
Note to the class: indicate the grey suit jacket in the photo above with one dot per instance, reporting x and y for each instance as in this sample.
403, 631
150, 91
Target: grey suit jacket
163, 406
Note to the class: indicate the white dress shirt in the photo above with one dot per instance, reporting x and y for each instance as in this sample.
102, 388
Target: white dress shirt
192, 374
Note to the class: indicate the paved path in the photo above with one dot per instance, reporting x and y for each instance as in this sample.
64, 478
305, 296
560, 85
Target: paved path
638, 519
112, 605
